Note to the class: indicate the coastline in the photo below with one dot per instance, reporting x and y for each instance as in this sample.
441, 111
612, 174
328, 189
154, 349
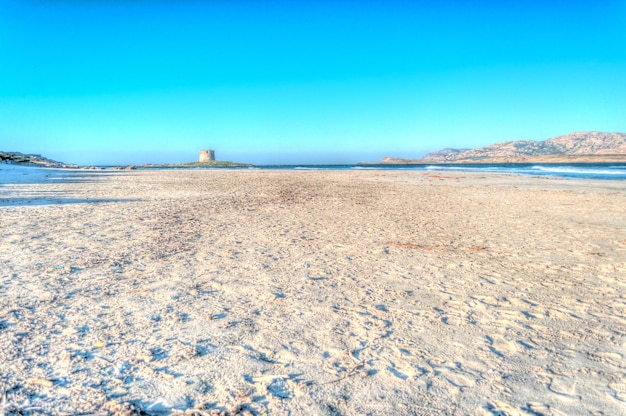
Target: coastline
313, 292
523, 160
39, 161
604, 170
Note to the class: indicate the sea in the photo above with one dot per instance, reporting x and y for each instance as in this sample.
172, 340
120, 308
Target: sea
604, 171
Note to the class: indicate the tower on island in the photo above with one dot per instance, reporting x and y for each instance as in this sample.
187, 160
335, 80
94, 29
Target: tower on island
207, 155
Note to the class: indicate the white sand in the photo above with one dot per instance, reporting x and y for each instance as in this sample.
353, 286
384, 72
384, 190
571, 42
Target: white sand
361, 292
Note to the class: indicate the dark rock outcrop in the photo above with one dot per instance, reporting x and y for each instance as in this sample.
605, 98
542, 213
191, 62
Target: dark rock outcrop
18, 158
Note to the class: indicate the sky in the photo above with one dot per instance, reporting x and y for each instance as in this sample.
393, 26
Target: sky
98, 82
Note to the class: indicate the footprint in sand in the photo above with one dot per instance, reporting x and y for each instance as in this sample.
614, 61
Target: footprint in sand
611, 358
285, 356
562, 386
454, 314
397, 373
542, 409
459, 380
498, 408
401, 368
501, 347
455, 375
619, 390
279, 389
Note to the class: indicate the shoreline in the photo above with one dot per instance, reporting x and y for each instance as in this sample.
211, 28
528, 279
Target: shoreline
316, 292
520, 160
603, 172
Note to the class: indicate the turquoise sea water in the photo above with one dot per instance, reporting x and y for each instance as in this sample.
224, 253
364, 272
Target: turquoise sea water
605, 171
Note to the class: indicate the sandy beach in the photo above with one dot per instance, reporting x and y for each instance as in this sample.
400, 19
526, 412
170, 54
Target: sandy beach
311, 293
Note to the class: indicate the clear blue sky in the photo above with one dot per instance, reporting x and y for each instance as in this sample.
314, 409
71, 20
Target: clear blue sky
107, 82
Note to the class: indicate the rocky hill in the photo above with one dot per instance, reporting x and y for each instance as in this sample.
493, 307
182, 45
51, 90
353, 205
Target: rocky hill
575, 146
444, 153
18, 158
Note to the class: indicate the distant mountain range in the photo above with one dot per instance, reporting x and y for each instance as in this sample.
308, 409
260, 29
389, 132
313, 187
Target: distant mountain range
585, 146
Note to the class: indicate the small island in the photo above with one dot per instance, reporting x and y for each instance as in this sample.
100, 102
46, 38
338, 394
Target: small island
206, 160
210, 164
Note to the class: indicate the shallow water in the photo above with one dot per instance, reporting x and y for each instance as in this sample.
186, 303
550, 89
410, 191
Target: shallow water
607, 171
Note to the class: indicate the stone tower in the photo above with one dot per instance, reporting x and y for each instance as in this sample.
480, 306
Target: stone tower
207, 155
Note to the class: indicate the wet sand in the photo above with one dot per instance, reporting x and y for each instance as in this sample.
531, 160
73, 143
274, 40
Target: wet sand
317, 292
